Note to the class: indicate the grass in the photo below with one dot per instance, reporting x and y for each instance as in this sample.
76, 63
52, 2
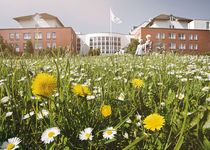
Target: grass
176, 87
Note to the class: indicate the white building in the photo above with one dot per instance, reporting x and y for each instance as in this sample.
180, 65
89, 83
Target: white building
42, 20
199, 24
106, 42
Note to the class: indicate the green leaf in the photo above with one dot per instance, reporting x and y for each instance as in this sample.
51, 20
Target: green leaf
207, 124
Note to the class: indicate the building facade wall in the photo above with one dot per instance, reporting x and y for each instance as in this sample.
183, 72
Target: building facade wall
106, 42
169, 24
41, 38
200, 24
184, 39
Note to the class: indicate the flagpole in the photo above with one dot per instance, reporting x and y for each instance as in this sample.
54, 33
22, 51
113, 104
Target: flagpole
110, 30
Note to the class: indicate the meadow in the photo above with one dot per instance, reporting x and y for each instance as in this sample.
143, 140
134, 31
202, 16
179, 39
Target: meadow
158, 101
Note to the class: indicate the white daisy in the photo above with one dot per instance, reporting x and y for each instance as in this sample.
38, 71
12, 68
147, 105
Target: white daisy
26, 116
180, 96
125, 135
9, 114
11, 144
205, 89
138, 117
128, 120
49, 134
86, 134
109, 133
121, 97
90, 97
4, 99
43, 113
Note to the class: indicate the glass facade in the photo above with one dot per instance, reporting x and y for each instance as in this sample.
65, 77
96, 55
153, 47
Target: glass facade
106, 44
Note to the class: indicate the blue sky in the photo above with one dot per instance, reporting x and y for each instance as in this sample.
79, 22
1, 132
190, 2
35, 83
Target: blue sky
88, 16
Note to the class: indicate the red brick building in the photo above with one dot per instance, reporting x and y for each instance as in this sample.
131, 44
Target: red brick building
43, 30
175, 33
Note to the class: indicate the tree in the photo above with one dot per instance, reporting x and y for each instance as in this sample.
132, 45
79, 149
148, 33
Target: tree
132, 46
29, 47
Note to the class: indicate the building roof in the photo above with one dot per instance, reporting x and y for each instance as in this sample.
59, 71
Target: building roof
168, 17
42, 15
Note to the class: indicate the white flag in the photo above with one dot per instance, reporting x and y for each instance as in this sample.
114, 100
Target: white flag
114, 18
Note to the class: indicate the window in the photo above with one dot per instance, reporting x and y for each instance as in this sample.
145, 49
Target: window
160, 36
181, 36
207, 25
48, 45
17, 48
38, 35
48, 35
37, 45
172, 18
171, 26
11, 36
53, 45
196, 46
17, 36
191, 46
26, 36
195, 37
172, 36
53, 35
172, 45
191, 37
182, 46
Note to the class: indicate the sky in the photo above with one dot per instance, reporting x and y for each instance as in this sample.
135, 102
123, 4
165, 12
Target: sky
90, 16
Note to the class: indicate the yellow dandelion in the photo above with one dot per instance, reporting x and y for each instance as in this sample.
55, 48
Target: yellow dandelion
154, 121
106, 110
44, 85
137, 83
81, 90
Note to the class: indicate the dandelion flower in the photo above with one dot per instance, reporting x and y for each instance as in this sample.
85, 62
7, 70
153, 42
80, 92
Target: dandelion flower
44, 85
106, 110
109, 133
86, 134
154, 121
81, 90
49, 134
137, 83
11, 144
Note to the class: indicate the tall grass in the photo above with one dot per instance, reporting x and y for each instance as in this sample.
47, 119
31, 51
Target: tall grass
177, 87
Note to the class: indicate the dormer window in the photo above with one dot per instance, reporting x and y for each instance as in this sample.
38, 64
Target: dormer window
207, 25
172, 18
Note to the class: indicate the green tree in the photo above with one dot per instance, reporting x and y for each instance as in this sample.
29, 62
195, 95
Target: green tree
29, 47
132, 46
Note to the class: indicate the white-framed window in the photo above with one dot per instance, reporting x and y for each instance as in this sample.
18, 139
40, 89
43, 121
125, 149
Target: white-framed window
26, 36
38, 45
38, 35
11, 36
160, 36
48, 45
172, 45
172, 18
48, 35
207, 25
195, 37
190, 46
172, 36
171, 26
53, 35
181, 36
191, 37
182, 46
17, 36
17, 48
196, 46
53, 44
